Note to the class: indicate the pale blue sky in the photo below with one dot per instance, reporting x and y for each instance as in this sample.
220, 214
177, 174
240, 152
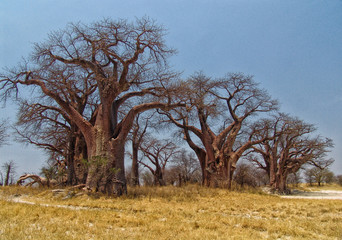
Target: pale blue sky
293, 48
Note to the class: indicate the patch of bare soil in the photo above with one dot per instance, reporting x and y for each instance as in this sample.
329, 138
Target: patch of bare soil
25, 199
323, 194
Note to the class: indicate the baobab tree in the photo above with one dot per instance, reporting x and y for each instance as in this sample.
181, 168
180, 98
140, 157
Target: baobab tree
43, 123
290, 146
227, 103
158, 153
46, 127
319, 173
125, 61
139, 132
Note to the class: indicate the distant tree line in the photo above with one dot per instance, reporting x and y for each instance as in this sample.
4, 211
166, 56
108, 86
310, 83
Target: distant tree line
98, 88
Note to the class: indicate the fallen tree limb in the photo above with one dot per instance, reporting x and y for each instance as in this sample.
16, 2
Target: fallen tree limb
44, 182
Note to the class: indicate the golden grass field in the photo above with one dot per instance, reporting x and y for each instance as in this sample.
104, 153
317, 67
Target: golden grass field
190, 212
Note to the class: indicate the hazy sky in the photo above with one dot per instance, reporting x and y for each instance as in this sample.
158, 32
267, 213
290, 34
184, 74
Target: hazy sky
293, 48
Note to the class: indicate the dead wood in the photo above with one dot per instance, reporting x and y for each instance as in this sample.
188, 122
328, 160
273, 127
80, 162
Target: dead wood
44, 182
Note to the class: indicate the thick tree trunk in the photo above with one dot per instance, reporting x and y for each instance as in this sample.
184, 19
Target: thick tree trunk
218, 175
107, 169
282, 184
230, 171
157, 181
159, 177
272, 173
76, 161
80, 161
118, 164
106, 149
98, 159
201, 156
213, 175
135, 165
208, 173
206, 178
71, 175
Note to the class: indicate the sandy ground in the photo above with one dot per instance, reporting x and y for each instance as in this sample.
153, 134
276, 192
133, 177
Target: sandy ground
23, 199
324, 194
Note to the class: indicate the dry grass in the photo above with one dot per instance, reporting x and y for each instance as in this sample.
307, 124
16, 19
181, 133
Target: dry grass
190, 212
315, 187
